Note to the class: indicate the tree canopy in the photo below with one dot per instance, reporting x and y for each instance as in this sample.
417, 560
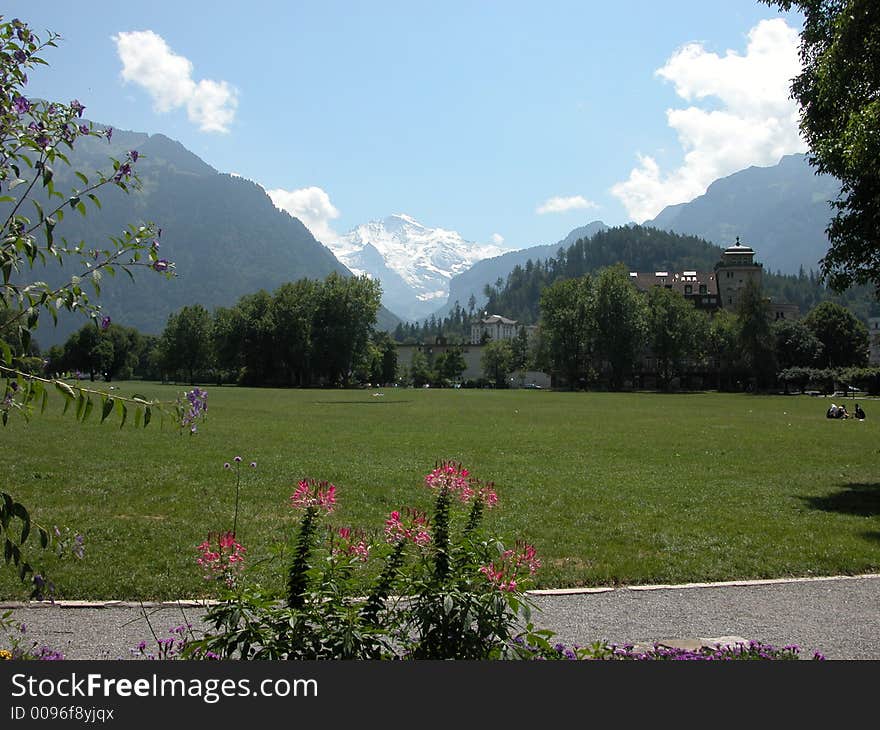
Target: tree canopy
839, 96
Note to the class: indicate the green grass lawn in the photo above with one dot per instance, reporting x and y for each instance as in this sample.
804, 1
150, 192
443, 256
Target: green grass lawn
611, 488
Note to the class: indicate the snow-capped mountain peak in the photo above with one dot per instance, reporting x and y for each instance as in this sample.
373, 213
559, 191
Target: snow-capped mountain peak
416, 264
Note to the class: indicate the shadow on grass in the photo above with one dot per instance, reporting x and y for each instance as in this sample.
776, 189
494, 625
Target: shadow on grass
873, 536
854, 499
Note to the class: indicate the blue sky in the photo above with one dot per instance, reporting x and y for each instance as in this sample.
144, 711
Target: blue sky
506, 121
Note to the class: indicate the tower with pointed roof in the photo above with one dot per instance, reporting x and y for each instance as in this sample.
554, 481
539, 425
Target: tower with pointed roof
733, 273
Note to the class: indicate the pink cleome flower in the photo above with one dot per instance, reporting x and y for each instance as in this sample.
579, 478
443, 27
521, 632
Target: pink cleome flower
222, 557
311, 493
513, 564
414, 528
350, 543
454, 477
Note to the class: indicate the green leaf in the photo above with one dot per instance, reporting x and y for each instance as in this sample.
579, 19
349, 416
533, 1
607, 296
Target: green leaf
45, 401
73, 201
88, 409
107, 407
83, 178
7, 550
147, 414
137, 418
95, 200
123, 412
80, 406
44, 538
81, 207
6, 350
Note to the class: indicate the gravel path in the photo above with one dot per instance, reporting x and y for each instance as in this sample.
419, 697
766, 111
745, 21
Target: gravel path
839, 617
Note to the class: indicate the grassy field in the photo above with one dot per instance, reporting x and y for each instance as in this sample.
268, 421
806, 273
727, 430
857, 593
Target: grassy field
611, 488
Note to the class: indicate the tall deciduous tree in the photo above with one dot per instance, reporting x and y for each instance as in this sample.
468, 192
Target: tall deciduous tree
796, 345
755, 341
620, 313
676, 330
187, 341
839, 96
844, 338
293, 306
496, 361
567, 329
344, 318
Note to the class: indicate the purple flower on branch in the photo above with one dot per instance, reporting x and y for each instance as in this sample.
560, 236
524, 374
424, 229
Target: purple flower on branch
133, 155
76, 108
105, 323
21, 105
124, 171
160, 265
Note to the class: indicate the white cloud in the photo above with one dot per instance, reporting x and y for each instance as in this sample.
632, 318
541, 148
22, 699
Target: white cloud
312, 206
148, 61
756, 124
497, 239
563, 205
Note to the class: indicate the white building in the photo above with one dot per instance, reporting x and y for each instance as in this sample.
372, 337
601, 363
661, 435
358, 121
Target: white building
493, 327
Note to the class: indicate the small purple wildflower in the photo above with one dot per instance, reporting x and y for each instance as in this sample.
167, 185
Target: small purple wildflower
237, 459
123, 172
77, 108
108, 133
227, 466
21, 105
253, 465
160, 265
105, 323
84, 129
133, 155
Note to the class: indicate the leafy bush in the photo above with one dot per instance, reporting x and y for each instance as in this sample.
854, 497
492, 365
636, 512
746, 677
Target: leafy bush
442, 589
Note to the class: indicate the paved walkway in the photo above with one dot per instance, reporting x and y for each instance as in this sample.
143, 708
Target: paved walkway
837, 616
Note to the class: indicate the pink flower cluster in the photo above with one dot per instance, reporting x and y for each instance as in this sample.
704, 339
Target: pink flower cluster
458, 480
512, 566
221, 557
311, 493
350, 544
414, 528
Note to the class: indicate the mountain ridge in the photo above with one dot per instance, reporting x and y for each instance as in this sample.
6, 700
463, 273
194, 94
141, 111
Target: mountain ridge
223, 232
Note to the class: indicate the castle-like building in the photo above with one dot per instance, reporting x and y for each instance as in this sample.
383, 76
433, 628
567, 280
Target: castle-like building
720, 288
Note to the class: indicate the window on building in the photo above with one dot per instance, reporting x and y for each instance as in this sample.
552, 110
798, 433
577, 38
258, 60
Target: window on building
702, 289
688, 289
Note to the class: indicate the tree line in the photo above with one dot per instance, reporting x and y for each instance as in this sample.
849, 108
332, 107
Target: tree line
307, 332
601, 329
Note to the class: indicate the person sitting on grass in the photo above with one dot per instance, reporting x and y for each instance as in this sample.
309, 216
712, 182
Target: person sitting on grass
831, 412
860, 414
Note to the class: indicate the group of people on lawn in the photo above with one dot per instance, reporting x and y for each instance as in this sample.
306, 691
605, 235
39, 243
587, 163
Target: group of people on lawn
841, 412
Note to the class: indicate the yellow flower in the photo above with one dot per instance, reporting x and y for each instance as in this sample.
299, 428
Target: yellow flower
4, 654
